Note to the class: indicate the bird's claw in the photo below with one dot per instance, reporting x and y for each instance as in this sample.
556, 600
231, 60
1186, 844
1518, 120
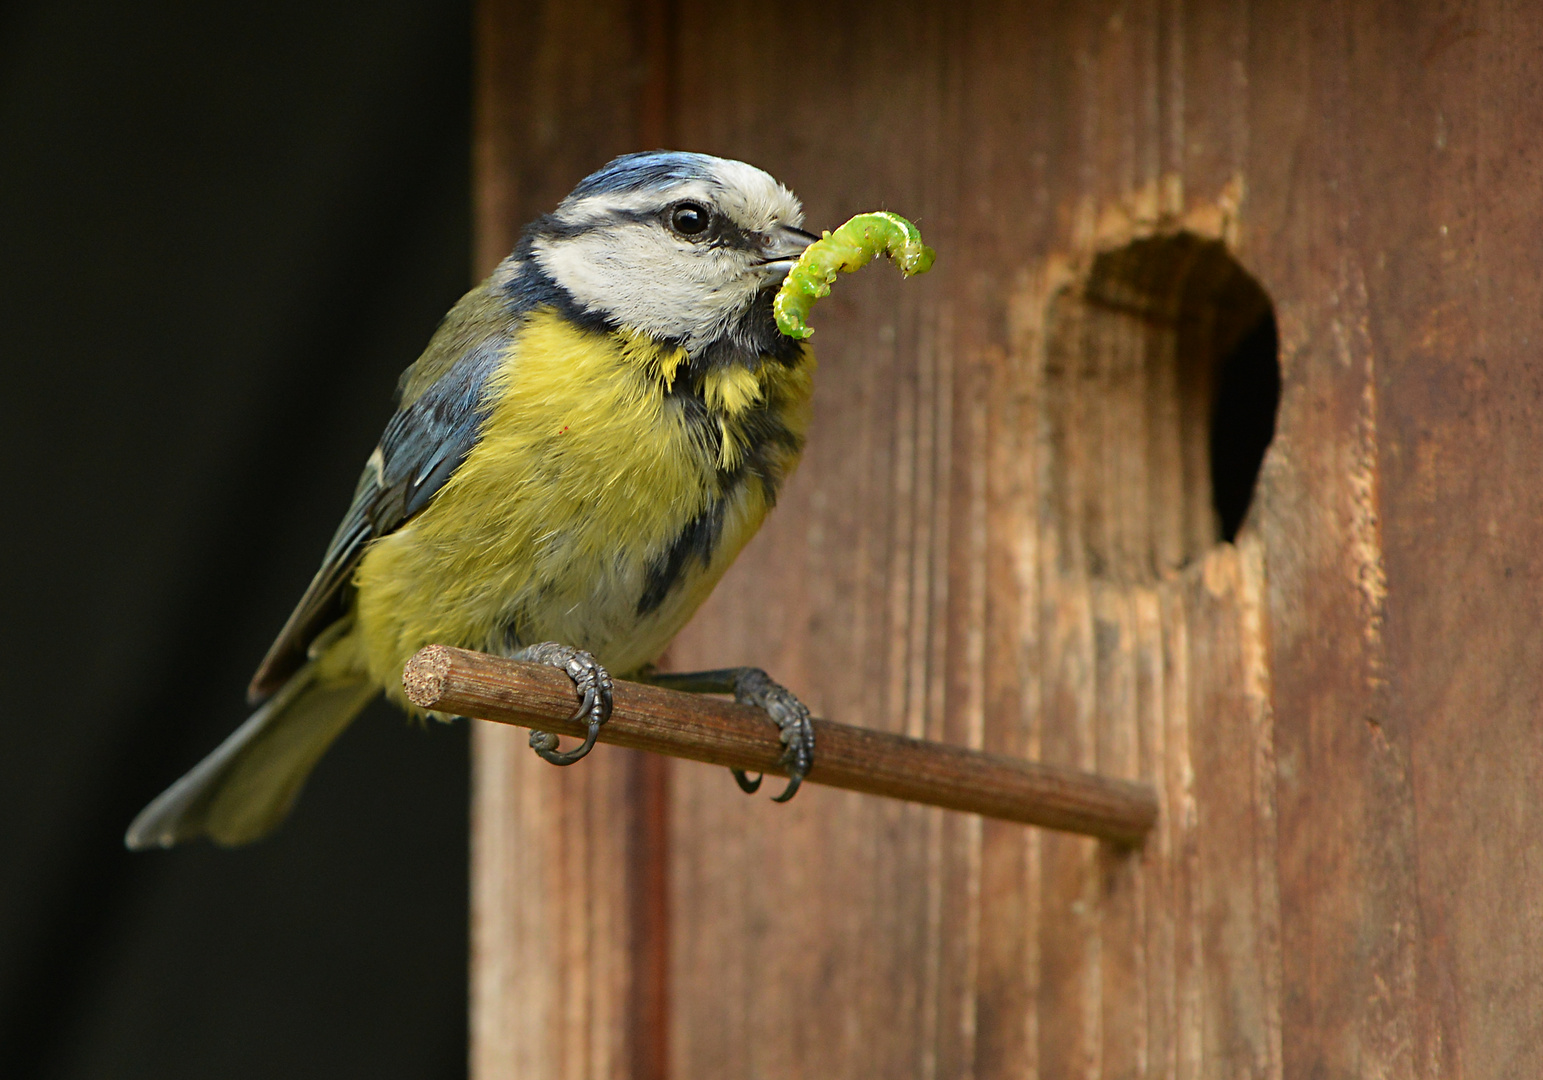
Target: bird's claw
593, 684
752, 686
747, 785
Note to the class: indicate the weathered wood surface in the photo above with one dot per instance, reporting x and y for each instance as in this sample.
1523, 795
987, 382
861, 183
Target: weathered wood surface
570, 935
1340, 712
718, 732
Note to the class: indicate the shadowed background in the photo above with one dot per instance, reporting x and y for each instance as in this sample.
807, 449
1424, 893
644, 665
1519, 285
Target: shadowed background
224, 229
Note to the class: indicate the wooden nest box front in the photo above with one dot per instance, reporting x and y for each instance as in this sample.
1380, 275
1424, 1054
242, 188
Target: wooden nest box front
1205, 457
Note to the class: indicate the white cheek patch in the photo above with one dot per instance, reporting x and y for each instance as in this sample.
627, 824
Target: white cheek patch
648, 280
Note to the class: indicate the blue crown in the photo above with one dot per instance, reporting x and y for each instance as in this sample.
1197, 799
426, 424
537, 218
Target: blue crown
651, 169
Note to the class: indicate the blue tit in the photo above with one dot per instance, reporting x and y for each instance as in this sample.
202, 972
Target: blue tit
590, 438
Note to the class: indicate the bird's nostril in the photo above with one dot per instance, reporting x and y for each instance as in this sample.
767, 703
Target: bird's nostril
785, 243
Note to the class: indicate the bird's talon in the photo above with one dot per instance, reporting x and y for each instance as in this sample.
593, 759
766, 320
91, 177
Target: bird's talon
590, 680
747, 785
789, 791
754, 687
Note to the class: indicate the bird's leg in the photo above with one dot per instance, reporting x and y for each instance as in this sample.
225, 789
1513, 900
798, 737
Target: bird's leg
752, 686
593, 684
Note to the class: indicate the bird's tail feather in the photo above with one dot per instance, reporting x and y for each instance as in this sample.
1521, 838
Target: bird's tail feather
245, 788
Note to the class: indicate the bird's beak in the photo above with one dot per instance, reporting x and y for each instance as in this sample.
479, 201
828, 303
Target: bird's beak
782, 246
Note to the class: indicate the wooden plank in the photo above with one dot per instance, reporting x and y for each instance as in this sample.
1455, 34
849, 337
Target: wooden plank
856, 918
569, 931
1433, 308
1347, 912
1002, 114
1339, 714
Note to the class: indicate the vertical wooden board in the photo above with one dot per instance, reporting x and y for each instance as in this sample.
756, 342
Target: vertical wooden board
1348, 906
550, 915
1181, 846
1121, 956
1069, 1008
1211, 89
1156, 936
1011, 111
1161, 962
1007, 980
901, 436
1454, 322
1235, 905
566, 966
854, 923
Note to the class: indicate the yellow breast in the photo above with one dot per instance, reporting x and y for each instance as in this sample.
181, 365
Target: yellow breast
594, 458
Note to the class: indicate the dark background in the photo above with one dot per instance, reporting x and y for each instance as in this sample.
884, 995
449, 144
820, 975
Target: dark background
224, 229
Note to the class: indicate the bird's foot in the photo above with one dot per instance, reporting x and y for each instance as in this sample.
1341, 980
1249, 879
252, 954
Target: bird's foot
755, 687
590, 680
752, 686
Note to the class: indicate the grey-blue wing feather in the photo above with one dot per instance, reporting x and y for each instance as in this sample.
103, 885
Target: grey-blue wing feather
425, 441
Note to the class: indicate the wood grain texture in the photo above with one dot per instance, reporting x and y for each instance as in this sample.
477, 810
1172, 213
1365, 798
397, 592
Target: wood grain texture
569, 937
719, 732
999, 539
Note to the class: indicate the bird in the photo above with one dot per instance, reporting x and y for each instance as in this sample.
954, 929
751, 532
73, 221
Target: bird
591, 436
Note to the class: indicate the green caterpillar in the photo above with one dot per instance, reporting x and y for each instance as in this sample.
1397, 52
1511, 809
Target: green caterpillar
848, 248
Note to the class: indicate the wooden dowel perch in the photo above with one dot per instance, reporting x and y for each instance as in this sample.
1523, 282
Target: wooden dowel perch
720, 732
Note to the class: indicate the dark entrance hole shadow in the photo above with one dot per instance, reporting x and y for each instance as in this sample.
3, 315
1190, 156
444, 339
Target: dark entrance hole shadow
1162, 382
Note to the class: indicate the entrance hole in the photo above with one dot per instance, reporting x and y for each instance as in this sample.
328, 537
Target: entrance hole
1162, 383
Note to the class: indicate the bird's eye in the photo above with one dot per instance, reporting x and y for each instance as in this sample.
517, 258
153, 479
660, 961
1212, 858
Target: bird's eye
689, 219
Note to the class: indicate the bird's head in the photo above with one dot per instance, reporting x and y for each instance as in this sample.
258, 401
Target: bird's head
678, 246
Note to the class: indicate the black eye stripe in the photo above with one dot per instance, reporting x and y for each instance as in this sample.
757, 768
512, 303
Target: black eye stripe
729, 235
549, 227
721, 231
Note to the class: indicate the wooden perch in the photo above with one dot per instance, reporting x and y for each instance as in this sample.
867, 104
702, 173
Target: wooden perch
720, 732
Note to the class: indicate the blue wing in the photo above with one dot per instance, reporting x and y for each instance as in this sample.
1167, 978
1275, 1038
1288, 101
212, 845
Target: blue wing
436, 425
